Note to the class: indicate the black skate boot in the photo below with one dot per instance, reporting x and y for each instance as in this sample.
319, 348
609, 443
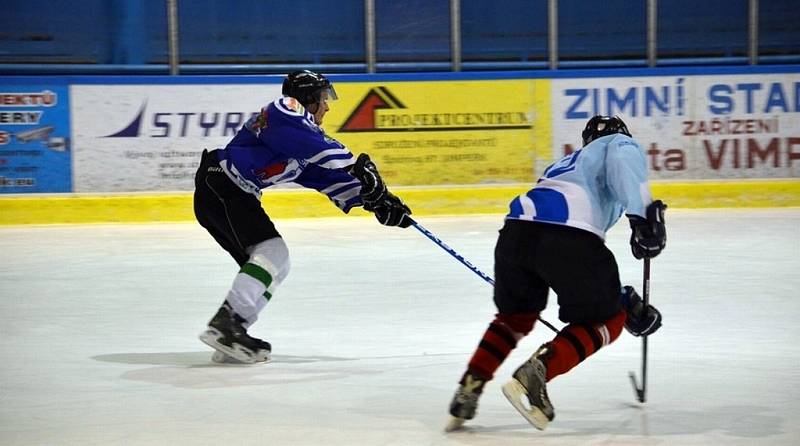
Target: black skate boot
465, 401
529, 381
227, 335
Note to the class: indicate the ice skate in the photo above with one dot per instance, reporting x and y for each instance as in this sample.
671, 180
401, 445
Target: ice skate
529, 382
465, 401
227, 335
221, 358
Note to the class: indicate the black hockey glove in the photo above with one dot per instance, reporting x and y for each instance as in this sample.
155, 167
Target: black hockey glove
391, 211
648, 237
642, 320
373, 189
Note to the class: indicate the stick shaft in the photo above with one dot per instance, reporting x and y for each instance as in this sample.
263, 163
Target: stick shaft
465, 262
646, 299
453, 253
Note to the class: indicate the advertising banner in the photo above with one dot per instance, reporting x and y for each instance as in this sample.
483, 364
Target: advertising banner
446, 132
128, 138
131, 138
148, 137
34, 139
692, 127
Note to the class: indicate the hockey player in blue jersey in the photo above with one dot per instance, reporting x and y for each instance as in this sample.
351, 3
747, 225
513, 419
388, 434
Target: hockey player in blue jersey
554, 237
283, 143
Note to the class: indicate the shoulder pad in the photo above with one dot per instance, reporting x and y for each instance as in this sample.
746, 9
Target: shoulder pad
257, 122
621, 140
290, 106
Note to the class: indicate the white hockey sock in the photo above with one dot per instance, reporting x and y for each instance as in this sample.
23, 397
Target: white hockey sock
257, 280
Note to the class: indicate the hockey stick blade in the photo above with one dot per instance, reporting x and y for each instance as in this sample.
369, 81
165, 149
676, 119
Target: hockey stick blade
639, 391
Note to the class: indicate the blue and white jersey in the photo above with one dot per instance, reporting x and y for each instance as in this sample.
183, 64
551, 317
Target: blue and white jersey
283, 144
590, 188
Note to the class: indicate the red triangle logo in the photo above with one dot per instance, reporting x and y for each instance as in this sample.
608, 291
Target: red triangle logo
363, 117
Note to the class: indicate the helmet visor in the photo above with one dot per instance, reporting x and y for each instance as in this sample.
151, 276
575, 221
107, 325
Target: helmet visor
332, 96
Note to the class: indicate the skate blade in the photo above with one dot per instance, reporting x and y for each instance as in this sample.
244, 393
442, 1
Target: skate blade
454, 424
210, 337
221, 358
515, 392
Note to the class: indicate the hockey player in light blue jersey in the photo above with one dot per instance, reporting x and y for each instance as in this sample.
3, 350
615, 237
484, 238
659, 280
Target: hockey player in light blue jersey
590, 188
554, 237
283, 143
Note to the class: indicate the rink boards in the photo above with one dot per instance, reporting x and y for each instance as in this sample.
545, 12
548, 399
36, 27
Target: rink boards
84, 149
140, 207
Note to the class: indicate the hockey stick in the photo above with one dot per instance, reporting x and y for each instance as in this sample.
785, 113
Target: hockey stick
464, 261
641, 391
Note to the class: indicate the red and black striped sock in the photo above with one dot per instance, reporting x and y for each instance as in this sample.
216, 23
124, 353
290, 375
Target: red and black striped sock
499, 339
576, 342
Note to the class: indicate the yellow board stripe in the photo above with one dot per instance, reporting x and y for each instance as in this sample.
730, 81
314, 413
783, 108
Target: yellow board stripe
455, 200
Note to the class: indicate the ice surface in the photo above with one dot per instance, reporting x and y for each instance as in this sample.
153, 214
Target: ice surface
371, 331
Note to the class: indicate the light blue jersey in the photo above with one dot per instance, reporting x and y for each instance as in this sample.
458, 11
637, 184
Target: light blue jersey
590, 188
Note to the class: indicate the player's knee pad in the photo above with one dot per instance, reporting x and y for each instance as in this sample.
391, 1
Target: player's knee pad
265, 269
273, 257
520, 323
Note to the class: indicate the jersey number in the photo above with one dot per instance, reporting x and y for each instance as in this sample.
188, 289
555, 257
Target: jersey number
562, 166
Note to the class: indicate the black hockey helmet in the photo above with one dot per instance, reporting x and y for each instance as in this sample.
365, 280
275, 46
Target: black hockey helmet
307, 87
601, 125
